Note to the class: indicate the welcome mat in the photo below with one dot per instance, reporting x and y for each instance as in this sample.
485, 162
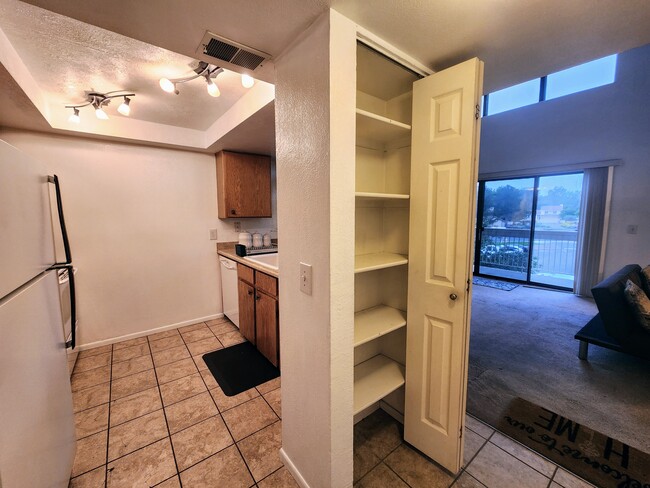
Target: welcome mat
589, 454
239, 368
501, 285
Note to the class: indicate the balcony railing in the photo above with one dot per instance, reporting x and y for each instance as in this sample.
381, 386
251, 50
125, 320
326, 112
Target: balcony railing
554, 254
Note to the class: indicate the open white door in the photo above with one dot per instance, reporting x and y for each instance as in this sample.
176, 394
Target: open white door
444, 168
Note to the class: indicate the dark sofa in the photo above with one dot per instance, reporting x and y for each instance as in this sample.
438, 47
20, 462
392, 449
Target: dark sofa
615, 325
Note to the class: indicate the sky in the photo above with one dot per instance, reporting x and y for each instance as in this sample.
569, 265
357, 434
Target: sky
572, 182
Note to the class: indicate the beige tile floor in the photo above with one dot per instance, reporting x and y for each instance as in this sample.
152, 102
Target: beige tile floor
149, 413
383, 460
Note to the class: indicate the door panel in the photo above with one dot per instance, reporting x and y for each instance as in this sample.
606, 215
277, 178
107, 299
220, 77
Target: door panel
442, 221
443, 181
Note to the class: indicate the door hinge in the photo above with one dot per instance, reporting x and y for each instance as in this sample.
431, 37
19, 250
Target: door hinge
468, 285
461, 433
477, 114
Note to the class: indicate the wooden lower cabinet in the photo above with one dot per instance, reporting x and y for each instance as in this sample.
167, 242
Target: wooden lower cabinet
258, 311
266, 320
247, 310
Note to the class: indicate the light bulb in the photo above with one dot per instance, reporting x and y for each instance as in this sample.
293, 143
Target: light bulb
213, 89
124, 108
101, 115
74, 118
167, 85
247, 81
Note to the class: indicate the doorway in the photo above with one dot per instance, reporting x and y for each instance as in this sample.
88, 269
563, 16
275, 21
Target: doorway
527, 229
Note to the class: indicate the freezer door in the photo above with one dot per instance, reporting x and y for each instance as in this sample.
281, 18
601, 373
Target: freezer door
37, 434
26, 247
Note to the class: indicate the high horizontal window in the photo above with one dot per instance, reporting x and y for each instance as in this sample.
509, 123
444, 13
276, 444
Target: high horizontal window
582, 77
566, 82
515, 96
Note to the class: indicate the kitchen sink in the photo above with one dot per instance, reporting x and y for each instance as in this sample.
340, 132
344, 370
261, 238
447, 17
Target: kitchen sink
269, 261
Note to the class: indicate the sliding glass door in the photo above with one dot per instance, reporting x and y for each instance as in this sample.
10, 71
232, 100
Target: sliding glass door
527, 229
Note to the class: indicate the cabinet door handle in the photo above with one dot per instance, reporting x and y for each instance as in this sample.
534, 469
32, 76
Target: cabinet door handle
250, 292
233, 211
257, 297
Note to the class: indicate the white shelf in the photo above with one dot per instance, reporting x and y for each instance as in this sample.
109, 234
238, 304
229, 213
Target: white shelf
375, 127
380, 260
374, 379
375, 322
382, 196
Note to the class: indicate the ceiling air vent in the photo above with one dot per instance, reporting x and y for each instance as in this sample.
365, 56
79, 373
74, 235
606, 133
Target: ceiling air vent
219, 50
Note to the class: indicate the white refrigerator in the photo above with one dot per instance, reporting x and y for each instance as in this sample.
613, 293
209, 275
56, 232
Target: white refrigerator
37, 434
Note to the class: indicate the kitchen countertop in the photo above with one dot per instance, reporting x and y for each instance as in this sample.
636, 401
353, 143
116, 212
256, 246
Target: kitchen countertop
227, 250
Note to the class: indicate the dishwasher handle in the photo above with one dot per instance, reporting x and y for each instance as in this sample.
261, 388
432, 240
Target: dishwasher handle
226, 264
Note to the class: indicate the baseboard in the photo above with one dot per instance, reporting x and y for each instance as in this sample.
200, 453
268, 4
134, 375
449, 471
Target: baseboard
365, 412
143, 333
396, 414
292, 469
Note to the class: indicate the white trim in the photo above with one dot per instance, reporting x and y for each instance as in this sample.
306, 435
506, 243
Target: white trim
390, 51
135, 335
546, 170
292, 469
608, 208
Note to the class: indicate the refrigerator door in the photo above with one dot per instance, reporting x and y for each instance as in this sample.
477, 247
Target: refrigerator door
26, 247
37, 432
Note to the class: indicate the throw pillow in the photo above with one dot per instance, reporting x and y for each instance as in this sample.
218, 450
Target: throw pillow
645, 279
640, 304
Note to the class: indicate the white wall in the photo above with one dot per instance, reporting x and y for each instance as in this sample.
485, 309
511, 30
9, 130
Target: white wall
138, 219
609, 122
315, 86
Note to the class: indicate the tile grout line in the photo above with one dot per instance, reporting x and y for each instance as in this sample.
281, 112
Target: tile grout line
169, 434
521, 460
464, 468
229, 432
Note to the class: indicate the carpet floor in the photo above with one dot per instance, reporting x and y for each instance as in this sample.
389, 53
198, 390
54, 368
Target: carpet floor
522, 345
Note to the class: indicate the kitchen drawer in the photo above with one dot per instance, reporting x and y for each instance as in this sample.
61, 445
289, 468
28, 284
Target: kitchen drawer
245, 273
266, 283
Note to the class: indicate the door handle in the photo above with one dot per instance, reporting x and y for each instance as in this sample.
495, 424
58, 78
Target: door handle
73, 308
59, 206
453, 297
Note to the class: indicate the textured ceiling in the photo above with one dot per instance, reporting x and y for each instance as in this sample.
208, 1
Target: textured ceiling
517, 39
67, 57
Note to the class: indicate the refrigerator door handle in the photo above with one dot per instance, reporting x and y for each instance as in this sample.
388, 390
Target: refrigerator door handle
73, 308
64, 234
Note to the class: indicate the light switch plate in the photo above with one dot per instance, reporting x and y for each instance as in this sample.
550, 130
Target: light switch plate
305, 278
213, 234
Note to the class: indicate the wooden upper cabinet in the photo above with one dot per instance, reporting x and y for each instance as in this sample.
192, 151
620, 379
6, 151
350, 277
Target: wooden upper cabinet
243, 185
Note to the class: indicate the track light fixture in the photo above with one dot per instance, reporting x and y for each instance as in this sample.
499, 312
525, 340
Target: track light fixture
206, 71
203, 70
99, 101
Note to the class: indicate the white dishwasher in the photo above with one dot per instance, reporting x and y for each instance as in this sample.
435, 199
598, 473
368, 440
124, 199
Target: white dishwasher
229, 289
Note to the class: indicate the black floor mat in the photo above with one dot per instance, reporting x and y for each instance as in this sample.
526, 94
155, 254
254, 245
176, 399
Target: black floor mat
239, 368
